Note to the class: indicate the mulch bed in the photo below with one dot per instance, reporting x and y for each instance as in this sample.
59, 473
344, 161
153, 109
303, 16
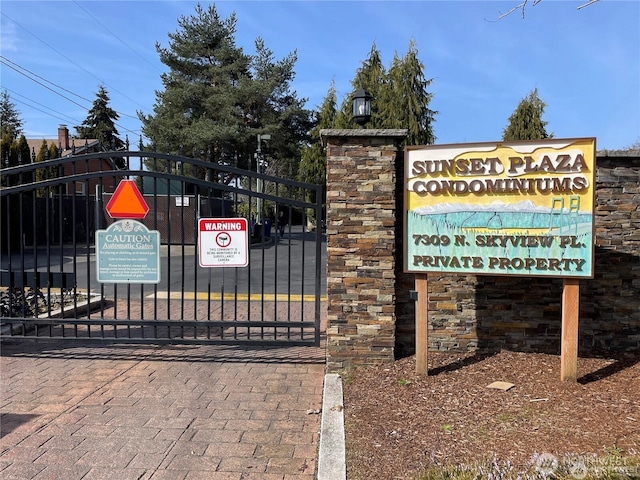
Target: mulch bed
398, 424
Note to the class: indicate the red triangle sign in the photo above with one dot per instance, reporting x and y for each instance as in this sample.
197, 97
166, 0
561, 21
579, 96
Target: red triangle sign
127, 201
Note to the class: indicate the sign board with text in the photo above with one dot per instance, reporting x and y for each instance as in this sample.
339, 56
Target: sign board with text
223, 242
128, 252
508, 208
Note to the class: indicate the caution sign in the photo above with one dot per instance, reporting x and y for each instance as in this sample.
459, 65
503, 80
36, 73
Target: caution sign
223, 242
127, 252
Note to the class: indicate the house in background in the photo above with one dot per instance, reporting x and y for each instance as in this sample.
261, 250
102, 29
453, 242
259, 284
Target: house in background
76, 146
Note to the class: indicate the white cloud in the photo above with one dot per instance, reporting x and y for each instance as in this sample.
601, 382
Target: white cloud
8, 36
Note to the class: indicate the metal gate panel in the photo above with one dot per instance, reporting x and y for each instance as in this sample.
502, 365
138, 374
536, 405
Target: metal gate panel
48, 288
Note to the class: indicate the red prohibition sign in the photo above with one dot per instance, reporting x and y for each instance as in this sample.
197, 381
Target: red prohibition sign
223, 239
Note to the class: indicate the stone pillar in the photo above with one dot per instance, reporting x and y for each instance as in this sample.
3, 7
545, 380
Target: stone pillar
361, 245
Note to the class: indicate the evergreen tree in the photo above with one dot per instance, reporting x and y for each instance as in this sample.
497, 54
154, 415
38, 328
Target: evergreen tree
216, 98
100, 122
372, 77
14, 152
6, 150
314, 159
278, 110
400, 96
10, 121
53, 151
526, 123
400, 100
42, 173
43, 152
404, 103
22, 150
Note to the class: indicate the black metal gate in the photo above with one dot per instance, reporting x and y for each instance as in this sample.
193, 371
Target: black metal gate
51, 211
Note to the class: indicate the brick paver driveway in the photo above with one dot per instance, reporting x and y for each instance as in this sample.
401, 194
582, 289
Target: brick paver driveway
74, 411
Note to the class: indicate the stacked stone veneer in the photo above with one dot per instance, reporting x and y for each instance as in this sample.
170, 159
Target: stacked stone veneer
371, 318
361, 245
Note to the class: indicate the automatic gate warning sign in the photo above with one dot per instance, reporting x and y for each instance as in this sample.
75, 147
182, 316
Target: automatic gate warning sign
223, 242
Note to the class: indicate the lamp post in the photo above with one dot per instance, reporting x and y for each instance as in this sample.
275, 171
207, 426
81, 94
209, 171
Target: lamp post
258, 169
361, 103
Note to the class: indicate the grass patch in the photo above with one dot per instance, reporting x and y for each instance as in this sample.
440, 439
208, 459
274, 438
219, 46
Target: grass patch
543, 467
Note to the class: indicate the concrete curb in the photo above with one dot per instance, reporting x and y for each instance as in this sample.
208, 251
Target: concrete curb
332, 463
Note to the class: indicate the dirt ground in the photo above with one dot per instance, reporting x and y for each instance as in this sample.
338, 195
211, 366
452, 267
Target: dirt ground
398, 424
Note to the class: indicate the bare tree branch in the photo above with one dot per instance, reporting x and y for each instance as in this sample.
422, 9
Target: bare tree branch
523, 5
587, 4
517, 7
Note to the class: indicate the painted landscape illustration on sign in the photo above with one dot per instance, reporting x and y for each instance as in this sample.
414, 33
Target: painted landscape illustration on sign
520, 208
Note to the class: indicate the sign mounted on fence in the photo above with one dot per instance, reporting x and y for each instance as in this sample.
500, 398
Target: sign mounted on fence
510, 208
223, 242
128, 252
127, 201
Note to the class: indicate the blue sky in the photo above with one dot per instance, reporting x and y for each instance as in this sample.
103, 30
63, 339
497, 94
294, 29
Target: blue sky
585, 63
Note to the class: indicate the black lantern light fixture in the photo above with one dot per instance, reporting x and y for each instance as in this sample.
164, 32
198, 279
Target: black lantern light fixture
361, 102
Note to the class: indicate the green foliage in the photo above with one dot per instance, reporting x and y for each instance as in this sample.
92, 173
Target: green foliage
458, 472
314, 158
10, 122
245, 210
217, 98
372, 77
100, 122
526, 123
405, 102
613, 451
400, 100
53, 151
15, 152
570, 467
46, 152
400, 96
6, 150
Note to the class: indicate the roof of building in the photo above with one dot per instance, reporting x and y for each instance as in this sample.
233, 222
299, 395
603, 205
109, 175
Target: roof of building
81, 145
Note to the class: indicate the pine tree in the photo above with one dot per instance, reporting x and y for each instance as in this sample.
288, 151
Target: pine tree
100, 122
278, 110
404, 103
372, 77
314, 159
218, 99
10, 121
53, 151
42, 173
22, 150
526, 123
400, 96
6, 152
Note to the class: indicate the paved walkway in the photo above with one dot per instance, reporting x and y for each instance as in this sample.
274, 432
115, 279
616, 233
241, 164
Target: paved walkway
159, 412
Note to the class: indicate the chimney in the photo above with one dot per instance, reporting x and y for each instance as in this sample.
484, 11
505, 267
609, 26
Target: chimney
63, 137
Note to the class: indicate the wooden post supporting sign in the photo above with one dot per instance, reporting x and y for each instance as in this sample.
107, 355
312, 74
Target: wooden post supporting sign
569, 335
422, 322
